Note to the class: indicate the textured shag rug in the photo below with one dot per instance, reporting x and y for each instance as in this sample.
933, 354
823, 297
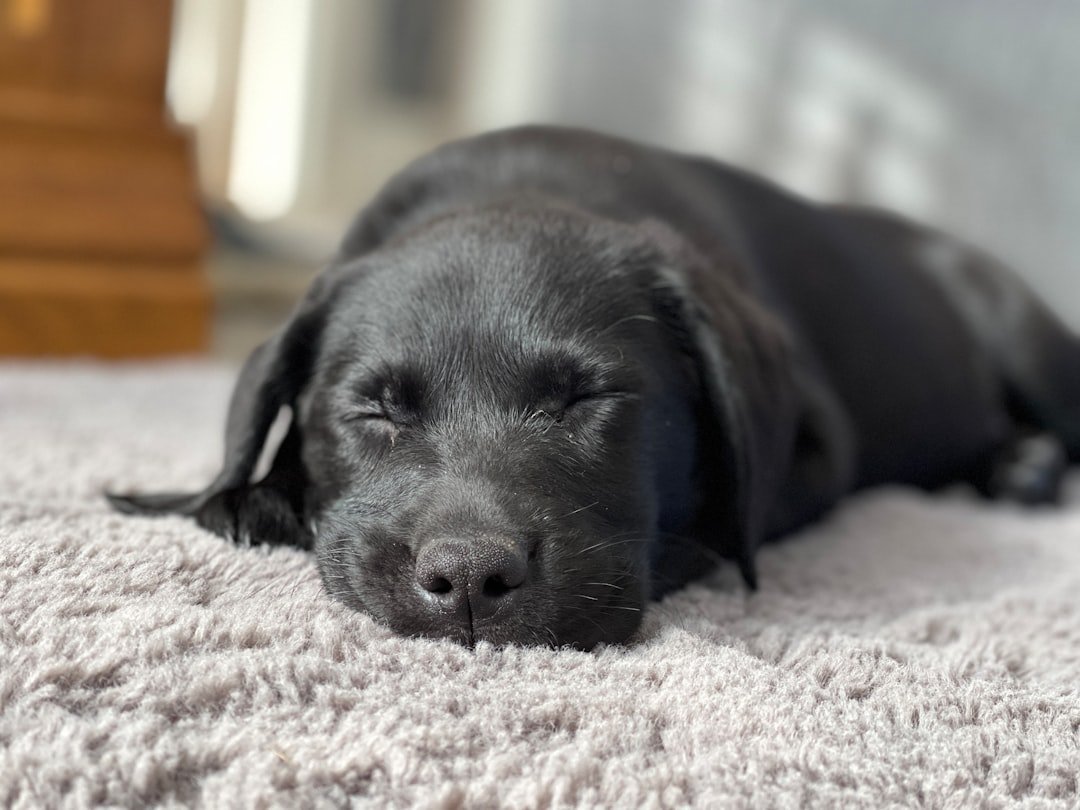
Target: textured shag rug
911, 650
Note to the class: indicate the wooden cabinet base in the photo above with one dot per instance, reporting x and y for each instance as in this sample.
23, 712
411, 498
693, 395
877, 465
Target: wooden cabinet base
51, 307
101, 235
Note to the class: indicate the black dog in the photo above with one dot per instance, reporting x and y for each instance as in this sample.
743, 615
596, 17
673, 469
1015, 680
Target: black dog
552, 373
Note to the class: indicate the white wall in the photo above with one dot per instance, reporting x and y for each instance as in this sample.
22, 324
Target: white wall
964, 113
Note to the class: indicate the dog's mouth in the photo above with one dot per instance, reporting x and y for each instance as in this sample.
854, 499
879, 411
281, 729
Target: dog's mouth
486, 590
564, 623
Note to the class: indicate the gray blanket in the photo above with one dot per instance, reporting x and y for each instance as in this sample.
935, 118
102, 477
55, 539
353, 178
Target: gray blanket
911, 650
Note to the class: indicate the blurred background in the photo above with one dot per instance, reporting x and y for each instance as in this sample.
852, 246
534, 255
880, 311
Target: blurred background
171, 176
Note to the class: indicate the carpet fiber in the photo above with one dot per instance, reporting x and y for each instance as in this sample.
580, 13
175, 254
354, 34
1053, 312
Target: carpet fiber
911, 650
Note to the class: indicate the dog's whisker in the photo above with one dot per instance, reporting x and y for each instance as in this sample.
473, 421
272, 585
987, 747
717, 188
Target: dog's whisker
603, 545
608, 543
580, 509
621, 321
551, 633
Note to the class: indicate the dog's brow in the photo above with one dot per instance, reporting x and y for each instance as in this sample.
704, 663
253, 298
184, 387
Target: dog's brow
396, 384
568, 372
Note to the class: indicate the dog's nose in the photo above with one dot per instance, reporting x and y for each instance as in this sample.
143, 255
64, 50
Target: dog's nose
471, 578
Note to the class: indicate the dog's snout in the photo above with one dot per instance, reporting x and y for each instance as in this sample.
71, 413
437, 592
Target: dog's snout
472, 579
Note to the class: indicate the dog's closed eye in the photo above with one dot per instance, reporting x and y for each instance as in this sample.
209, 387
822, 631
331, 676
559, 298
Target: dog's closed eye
560, 409
381, 412
370, 411
390, 398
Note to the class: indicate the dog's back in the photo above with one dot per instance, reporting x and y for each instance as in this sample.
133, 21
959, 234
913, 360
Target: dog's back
924, 393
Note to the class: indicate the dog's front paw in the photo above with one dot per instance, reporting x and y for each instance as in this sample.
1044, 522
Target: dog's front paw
254, 515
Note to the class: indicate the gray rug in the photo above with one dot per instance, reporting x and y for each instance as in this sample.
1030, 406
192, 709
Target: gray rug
912, 650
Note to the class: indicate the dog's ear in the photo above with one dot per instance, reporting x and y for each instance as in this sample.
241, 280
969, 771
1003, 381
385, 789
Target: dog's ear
742, 359
272, 378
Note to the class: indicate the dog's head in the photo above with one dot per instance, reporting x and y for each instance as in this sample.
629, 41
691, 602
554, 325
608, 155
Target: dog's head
512, 425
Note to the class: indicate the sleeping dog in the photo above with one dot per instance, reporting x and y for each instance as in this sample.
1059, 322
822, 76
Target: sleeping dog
551, 375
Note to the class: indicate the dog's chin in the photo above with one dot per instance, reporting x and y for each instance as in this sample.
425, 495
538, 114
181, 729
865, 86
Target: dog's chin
589, 637
583, 639
579, 629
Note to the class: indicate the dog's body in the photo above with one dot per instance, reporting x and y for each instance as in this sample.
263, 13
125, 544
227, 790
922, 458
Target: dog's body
552, 372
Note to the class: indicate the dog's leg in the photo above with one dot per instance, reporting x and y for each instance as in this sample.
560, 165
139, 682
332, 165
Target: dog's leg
1036, 355
1028, 470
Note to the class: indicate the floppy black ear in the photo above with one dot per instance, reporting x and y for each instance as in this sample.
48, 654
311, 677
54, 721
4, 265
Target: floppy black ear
745, 371
272, 378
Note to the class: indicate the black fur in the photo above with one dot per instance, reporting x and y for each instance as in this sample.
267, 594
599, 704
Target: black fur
551, 374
